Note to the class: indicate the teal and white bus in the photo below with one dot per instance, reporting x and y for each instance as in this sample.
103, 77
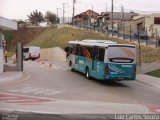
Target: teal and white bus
102, 59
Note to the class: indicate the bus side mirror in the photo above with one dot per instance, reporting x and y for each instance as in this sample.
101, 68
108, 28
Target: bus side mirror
66, 49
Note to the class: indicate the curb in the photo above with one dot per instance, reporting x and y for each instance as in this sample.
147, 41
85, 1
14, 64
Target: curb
149, 83
79, 107
20, 76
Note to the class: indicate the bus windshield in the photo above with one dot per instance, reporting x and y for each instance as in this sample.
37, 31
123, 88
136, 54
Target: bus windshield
25, 50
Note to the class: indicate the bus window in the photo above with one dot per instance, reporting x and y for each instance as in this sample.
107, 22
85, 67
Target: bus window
78, 49
86, 51
73, 50
95, 53
101, 54
81, 51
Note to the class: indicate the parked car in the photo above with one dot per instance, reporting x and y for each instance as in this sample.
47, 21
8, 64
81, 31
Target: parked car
109, 29
141, 35
31, 52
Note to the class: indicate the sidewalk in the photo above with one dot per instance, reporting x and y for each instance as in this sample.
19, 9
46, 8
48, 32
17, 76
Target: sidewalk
149, 80
10, 76
10, 73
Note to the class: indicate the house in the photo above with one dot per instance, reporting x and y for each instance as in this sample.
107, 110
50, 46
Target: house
152, 24
85, 16
118, 19
119, 15
147, 22
138, 22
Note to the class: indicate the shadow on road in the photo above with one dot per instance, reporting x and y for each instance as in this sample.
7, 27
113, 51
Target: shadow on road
110, 83
106, 83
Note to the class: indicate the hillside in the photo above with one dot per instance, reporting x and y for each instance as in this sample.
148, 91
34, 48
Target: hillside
54, 37
23, 34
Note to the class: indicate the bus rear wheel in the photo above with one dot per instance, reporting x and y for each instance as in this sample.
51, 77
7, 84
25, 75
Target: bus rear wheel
87, 73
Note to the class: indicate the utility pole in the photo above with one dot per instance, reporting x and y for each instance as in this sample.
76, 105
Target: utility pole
74, 1
58, 11
92, 11
139, 49
106, 7
112, 17
64, 10
57, 14
93, 19
122, 12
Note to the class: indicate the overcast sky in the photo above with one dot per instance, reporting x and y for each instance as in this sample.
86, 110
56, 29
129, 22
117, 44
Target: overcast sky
19, 9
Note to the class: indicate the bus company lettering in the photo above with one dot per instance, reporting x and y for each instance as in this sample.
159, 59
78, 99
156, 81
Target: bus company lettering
127, 66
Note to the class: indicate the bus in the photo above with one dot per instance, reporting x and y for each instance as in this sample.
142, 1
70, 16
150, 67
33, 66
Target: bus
102, 59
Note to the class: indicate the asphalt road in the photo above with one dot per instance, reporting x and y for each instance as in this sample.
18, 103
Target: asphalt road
59, 83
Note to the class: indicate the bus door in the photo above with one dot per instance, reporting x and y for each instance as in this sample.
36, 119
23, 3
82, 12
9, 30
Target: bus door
95, 58
77, 55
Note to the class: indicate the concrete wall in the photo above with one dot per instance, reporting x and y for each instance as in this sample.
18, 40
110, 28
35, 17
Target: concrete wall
53, 54
149, 25
1, 60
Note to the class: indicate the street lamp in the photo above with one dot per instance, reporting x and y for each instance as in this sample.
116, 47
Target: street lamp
139, 49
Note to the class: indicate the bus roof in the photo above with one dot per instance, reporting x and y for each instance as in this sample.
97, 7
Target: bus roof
100, 43
30, 46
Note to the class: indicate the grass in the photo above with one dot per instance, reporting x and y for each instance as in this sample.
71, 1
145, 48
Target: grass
60, 37
54, 37
155, 73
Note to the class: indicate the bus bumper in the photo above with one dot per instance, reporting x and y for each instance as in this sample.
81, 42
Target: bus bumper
110, 77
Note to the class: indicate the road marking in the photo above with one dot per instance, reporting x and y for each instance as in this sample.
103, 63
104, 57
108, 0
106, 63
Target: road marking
155, 109
35, 91
158, 110
22, 99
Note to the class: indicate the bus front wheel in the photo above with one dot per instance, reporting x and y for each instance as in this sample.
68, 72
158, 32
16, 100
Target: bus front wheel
70, 65
87, 73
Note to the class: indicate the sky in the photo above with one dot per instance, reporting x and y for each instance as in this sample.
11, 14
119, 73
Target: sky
19, 9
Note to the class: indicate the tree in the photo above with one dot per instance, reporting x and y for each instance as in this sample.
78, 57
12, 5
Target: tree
36, 18
50, 18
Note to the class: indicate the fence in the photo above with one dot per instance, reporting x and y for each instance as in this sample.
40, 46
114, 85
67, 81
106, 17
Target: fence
123, 30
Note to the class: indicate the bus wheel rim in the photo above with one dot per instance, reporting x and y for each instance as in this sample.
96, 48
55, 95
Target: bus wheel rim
87, 74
